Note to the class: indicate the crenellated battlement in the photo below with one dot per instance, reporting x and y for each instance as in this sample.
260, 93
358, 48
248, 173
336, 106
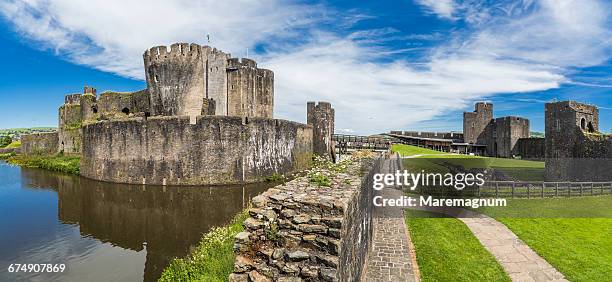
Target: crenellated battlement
176, 49
241, 62
72, 99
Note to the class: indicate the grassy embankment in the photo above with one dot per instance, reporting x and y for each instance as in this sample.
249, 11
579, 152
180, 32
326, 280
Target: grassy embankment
61, 163
571, 234
212, 260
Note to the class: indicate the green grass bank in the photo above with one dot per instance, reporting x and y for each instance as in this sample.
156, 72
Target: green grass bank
60, 163
213, 258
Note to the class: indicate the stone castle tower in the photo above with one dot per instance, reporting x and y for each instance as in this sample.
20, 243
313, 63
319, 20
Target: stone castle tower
321, 117
475, 123
575, 149
190, 79
499, 135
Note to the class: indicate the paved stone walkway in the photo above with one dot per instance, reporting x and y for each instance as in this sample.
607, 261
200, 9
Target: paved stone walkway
390, 258
520, 262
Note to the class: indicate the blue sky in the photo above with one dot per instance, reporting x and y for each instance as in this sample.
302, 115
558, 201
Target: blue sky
410, 64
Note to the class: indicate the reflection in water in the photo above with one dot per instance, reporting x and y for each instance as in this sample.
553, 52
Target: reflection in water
163, 221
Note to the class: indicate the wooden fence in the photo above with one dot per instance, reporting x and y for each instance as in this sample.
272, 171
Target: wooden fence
522, 189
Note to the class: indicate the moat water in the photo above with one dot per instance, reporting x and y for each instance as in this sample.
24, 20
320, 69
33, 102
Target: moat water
105, 231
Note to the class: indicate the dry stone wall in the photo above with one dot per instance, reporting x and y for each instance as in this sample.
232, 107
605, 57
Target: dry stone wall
302, 232
214, 150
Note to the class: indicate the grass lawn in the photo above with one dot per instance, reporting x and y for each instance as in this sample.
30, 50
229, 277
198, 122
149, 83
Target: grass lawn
446, 250
408, 150
212, 260
581, 248
434, 161
572, 234
61, 163
14, 144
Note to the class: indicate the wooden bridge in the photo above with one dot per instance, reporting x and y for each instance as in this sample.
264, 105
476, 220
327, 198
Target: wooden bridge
346, 143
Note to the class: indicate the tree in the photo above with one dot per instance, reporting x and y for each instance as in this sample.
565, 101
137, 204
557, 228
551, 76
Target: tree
5, 140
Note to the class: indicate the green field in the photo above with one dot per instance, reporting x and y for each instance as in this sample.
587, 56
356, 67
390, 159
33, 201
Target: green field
572, 234
434, 161
580, 246
446, 250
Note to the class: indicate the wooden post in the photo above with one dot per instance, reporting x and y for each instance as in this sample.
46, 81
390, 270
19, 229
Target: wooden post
591, 188
569, 190
513, 184
528, 194
542, 194
581, 188
556, 189
496, 189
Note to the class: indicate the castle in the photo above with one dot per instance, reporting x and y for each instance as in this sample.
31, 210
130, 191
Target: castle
573, 147
204, 118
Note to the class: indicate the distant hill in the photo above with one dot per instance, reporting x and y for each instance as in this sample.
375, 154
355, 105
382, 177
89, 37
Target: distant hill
15, 133
536, 134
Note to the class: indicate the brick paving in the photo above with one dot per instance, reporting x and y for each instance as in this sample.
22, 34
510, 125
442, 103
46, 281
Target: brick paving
390, 258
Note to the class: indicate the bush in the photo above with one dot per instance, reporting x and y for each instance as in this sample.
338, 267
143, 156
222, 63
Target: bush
6, 156
212, 260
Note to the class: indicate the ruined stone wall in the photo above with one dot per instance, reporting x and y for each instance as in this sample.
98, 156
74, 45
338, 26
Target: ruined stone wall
575, 151
70, 115
111, 103
321, 117
88, 106
39, 143
531, 148
175, 79
505, 133
70, 141
475, 123
214, 150
251, 90
302, 231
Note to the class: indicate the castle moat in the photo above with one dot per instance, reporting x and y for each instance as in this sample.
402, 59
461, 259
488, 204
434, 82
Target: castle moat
105, 231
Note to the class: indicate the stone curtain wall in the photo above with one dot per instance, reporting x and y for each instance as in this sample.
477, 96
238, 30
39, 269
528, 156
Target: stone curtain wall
40, 143
214, 150
531, 148
321, 117
70, 140
302, 231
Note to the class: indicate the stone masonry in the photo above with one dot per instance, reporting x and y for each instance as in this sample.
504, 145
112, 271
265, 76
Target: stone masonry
299, 231
575, 149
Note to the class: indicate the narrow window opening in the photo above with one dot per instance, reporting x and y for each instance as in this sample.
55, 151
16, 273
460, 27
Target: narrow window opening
590, 127
94, 109
126, 111
582, 123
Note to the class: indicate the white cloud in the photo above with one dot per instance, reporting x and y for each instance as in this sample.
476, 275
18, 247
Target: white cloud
442, 8
111, 35
526, 47
376, 97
